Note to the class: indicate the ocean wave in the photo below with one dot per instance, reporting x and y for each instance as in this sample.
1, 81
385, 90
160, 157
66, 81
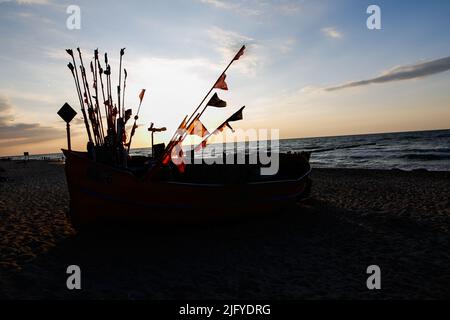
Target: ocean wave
429, 150
426, 157
443, 135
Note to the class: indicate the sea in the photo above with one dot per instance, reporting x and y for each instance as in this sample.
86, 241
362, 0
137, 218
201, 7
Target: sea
429, 150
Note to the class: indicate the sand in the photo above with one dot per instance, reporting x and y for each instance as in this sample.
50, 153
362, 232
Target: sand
319, 250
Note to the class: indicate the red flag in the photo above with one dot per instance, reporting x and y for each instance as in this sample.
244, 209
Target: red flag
182, 127
177, 155
141, 95
183, 123
221, 84
239, 54
200, 146
197, 128
166, 159
181, 167
217, 131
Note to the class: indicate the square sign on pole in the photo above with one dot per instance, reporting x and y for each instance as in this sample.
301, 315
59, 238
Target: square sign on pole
67, 113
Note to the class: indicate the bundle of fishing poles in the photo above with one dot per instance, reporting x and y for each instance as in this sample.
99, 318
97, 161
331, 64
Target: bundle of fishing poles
106, 142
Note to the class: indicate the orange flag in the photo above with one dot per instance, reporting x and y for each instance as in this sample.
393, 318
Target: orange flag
183, 123
217, 131
200, 146
221, 84
239, 54
141, 95
177, 155
197, 128
166, 159
181, 167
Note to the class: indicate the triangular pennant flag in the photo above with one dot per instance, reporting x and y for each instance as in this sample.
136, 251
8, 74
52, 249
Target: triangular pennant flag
177, 157
197, 128
221, 84
182, 127
236, 116
222, 128
231, 128
215, 101
239, 54
200, 146
166, 159
141, 95
183, 123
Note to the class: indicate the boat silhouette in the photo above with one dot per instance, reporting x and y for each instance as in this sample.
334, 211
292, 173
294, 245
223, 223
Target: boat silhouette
107, 185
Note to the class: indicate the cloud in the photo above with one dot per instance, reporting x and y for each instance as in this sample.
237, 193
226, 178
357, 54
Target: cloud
5, 105
401, 73
287, 45
229, 42
332, 32
220, 4
12, 133
234, 6
56, 53
255, 7
290, 8
28, 2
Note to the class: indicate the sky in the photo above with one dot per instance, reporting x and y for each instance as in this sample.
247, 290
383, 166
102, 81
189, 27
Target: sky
311, 68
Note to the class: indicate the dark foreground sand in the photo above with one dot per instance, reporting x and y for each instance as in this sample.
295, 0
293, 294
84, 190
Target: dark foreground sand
355, 218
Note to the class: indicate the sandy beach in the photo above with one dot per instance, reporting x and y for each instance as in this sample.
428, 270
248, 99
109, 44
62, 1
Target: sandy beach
355, 218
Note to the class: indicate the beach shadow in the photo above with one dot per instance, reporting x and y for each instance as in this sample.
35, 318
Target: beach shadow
306, 253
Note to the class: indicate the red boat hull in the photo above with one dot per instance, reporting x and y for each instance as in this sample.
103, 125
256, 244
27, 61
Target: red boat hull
100, 193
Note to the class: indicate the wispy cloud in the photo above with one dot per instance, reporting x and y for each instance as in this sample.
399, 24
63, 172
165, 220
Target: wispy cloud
12, 133
400, 73
332, 32
229, 42
255, 7
290, 8
234, 6
28, 2
220, 4
287, 45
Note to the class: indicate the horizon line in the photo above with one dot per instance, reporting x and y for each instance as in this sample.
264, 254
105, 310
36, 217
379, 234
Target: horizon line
284, 139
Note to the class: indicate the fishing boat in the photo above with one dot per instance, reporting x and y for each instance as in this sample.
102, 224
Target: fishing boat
107, 185
101, 193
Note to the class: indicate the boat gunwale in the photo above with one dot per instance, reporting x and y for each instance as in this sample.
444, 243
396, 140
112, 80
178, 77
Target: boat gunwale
216, 185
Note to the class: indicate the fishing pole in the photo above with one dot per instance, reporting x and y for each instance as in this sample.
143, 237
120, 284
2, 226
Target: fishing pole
73, 69
83, 111
235, 58
103, 93
191, 120
136, 117
124, 87
95, 86
96, 90
122, 52
110, 100
88, 100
